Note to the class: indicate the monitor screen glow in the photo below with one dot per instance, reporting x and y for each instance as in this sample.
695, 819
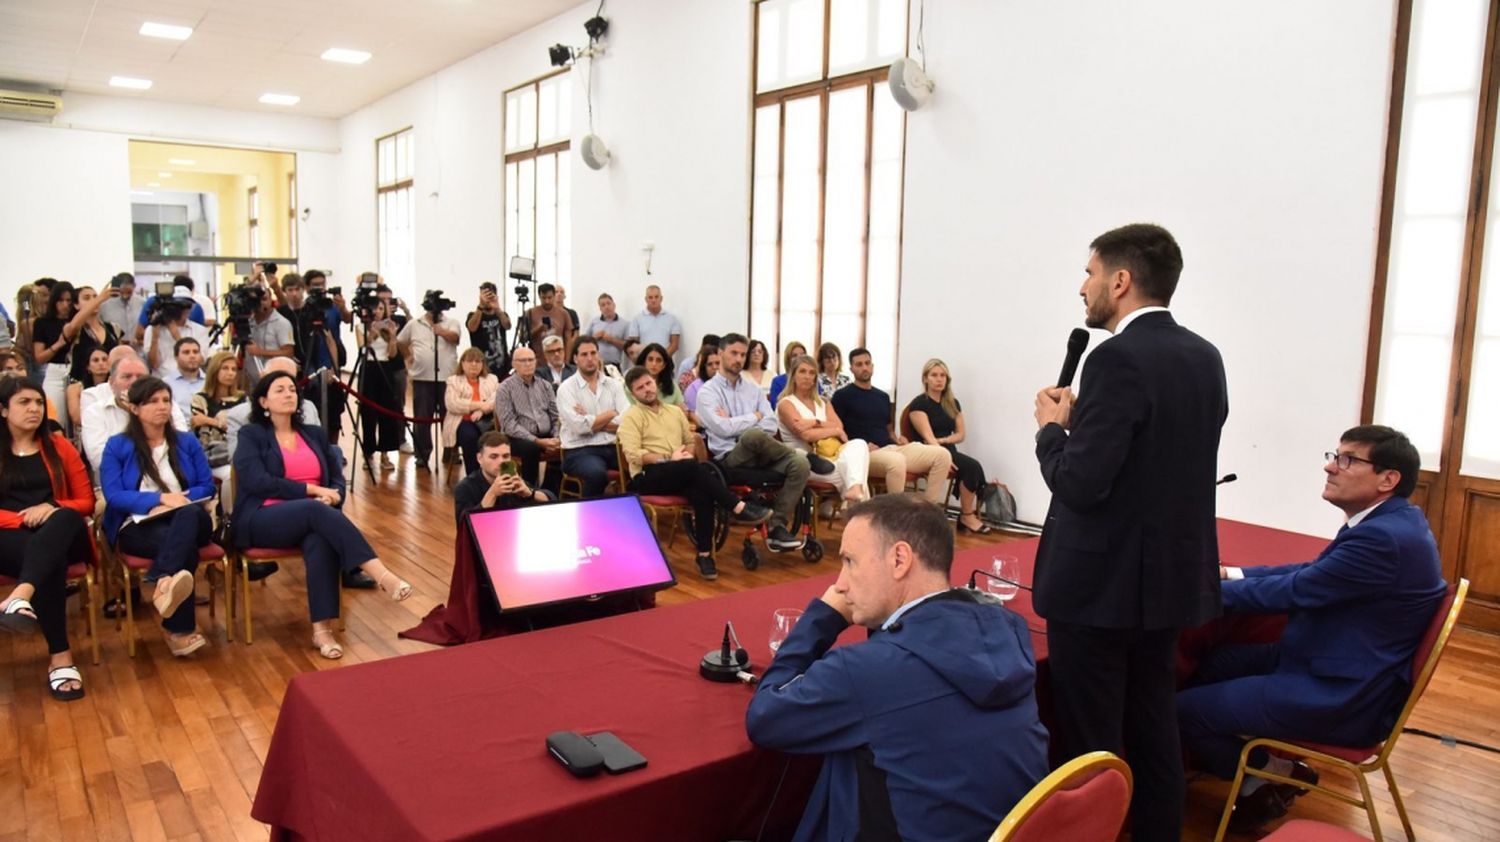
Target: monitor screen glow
569, 550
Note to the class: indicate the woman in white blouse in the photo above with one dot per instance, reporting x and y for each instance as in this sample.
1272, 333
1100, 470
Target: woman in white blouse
810, 424
471, 406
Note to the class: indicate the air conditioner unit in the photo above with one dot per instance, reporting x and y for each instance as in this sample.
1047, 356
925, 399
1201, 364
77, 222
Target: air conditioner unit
24, 105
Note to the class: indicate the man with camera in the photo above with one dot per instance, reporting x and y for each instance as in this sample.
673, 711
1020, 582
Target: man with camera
430, 346
162, 305
548, 319
170, 322
270, 332
314, 317
124, 310
487, 326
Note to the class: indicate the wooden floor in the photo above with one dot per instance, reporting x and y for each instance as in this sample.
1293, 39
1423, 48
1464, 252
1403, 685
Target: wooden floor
172, 749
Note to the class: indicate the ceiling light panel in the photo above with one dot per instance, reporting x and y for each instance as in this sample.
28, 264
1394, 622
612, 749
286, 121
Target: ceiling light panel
345, 56
280, 99
129, 82
166, 30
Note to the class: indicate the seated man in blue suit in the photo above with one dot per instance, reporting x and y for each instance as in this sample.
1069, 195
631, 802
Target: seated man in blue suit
929, 729
1342, 669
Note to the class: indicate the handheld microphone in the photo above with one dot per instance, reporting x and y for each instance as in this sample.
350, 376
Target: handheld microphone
1227, 478
1077, 341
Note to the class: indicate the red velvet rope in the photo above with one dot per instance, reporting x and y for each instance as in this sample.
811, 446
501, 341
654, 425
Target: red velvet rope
368, 403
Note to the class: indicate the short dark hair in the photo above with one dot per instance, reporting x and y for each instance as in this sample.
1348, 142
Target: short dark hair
711, 339
123, 278
381, 289
579, 342
186, 340
489, 285
258, 413
635, 373
292, 280
310, 274
923, 525
859, 352
1148, 252
604, 296
544, 289
183, 281
733, 339
493, 438
1390, 450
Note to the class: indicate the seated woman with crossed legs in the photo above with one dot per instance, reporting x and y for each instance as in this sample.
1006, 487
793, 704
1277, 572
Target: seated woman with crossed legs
810, 424
938, 418
45, 494
155, 469
291, 483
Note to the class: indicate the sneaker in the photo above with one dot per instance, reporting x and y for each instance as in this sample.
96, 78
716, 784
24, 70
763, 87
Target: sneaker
706, 567
782, 541
753, 514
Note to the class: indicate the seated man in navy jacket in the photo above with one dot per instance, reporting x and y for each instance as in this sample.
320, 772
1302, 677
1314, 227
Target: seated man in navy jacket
929, 729
1342, 669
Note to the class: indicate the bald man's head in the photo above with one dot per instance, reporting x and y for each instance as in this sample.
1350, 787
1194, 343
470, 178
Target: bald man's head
286, 364
120, 352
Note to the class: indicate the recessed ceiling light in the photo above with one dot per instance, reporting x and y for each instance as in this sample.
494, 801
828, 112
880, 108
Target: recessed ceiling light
280, 99
166, 30
128, 82
346, 56
181, 162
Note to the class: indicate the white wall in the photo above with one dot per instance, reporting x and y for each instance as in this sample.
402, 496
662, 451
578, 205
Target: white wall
1255, 133
67, 211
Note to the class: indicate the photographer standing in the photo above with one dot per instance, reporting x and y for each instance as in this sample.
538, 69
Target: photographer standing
170, 322
487, 326
313, 317
430, 346
270, 334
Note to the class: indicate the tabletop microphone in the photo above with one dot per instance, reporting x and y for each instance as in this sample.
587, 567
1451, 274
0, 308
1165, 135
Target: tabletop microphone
724, 664
1077, 341
1228, 478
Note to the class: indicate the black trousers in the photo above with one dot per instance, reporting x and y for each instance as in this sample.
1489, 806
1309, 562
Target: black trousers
171, 542
330, 544
377, 382
970, 472
699, 483
1114, 690
426, 402
40, 557
530, 454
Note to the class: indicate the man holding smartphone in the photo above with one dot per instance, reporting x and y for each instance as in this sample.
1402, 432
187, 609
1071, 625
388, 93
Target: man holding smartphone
487, 327
497, 484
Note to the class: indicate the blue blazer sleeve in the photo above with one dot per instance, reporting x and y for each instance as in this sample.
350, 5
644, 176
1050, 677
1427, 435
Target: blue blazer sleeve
329, 456
1361, 564
805, 702
1080, 467
120, 478
200, 476
251, 461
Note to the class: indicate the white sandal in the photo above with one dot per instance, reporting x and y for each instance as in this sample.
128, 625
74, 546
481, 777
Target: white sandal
12, 620
331, 648
402, 590
58, 676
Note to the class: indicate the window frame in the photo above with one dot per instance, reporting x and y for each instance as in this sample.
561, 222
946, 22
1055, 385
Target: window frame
537, 151
394, 186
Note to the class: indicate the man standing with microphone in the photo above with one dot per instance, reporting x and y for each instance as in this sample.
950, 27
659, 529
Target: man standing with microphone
1129, 553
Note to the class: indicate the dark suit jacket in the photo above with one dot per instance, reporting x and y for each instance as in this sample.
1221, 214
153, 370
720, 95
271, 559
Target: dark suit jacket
1130, 540
545, 372
1358, 612
261, 473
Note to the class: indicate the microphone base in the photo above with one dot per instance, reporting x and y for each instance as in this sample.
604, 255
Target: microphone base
716, 667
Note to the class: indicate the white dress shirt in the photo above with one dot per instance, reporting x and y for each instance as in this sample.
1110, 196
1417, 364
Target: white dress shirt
578, 427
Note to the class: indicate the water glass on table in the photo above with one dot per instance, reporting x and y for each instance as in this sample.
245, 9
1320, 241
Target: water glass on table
781, 625
1008, 570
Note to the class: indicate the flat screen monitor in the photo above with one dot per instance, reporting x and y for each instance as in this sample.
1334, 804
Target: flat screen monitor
569, 550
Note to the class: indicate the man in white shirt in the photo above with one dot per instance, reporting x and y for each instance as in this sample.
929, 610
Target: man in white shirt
270, 338
589, 406
161, 341
654, 324
433, 335
102, 419
189, 379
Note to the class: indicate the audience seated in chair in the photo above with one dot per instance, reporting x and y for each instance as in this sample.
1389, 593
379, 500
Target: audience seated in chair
810, 424
938, 419
96, 373
526, 407
866, 413
589, 406
496, 484
1342, 669
223, 390
929, 729
554, 367
831, 374
737, 419
657, 361
153, 469
291, 486
708, 366
471, 406
789, 352
45, 500
189, 378
103, 419
659, 454
239, 414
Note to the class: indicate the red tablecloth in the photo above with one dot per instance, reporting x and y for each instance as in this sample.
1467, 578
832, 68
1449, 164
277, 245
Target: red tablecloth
449, 744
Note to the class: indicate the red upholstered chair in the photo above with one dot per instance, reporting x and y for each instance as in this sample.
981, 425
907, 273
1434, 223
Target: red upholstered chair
239, 569
672, 505
1085, 800
131, 567
1303, 830
572, 486
84, 576
910, 432
1359, 761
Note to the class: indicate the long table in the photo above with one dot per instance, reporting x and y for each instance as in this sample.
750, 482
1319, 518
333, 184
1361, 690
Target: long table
449, 744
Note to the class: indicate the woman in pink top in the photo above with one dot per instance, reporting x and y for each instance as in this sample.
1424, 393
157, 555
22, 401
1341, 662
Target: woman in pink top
291, 484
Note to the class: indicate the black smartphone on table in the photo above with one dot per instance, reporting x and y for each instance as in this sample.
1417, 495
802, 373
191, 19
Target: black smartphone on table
618, 757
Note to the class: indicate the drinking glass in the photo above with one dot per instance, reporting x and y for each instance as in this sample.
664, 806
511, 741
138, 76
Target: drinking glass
1006, 567
781, 625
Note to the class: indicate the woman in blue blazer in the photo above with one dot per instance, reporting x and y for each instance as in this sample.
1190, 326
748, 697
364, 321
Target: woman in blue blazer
154, 471
290, 486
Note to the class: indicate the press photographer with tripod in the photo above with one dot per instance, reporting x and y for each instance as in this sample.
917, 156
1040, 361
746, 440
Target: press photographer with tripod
378, 375
266, 333
314, 347
430, 346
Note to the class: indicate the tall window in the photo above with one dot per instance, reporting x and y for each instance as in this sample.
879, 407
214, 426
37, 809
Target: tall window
395, 212
252, 213
825, 230
537, 120
1434, 368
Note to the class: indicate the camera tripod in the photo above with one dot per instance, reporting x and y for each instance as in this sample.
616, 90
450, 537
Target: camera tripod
355, 378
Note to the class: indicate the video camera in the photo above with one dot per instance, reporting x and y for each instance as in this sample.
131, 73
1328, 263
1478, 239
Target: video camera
242, 302
316, 306
165, 305
434, 302
366, 297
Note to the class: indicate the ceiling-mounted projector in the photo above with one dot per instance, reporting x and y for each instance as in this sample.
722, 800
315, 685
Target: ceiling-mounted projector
594, 152
909, 84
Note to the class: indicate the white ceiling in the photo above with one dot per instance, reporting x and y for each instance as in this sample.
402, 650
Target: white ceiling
241, 49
